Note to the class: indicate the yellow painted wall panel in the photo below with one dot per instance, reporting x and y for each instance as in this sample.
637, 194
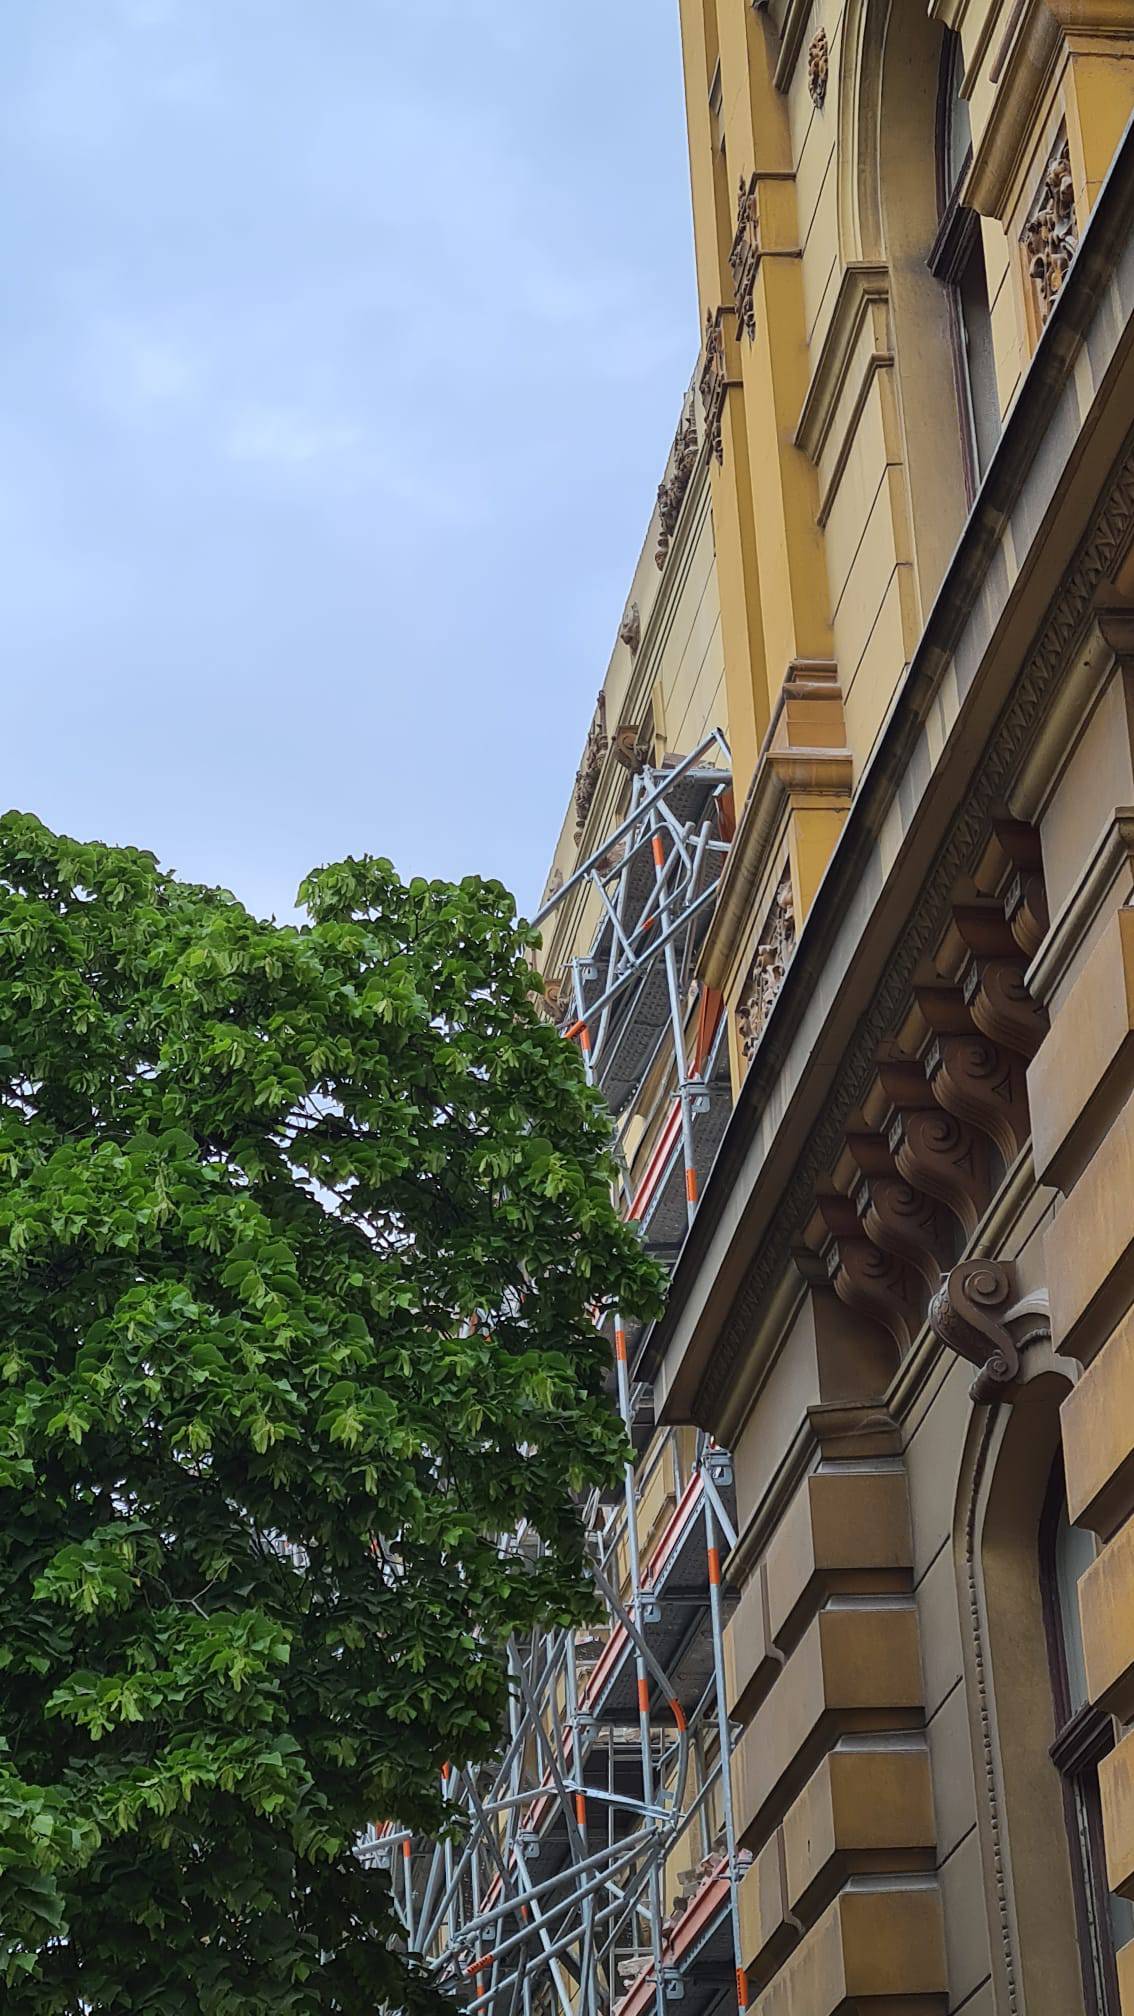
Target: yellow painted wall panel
820, 252
868, 581
859, 508
859, 444
883, 657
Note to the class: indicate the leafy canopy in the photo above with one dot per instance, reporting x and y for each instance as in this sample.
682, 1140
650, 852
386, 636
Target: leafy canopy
303, 1234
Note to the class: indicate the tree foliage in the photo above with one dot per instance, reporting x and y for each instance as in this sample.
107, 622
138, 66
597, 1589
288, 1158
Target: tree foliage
303, 1235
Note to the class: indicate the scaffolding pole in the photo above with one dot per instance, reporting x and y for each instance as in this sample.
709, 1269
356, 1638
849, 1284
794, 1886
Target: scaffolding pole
554, 1902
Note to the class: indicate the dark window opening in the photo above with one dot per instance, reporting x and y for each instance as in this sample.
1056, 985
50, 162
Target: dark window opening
957, 260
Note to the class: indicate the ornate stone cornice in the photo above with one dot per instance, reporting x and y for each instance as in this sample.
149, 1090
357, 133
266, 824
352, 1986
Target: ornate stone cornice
1105, 543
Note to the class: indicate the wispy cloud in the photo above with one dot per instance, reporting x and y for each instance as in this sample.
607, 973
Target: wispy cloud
288, 438
135, 367
317, 306
148, 13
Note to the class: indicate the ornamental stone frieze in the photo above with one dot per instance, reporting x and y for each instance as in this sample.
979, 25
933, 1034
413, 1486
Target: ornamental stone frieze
744, 257
672, 489
590, 769
1051, 234
769, 965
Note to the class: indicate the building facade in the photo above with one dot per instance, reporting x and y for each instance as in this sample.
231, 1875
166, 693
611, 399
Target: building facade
842, 915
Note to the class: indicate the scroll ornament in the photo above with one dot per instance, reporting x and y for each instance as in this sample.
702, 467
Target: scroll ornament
966, 1316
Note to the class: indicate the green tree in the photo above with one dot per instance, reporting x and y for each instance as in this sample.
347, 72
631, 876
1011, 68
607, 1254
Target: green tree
303, 1234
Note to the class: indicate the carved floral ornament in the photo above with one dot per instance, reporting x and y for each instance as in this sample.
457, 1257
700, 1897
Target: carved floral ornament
744, 258
818, 62
769, 965
1051, 235
672, 488
630, 628
715, 378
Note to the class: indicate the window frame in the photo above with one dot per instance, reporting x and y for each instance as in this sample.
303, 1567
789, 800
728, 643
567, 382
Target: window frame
1083, 1738
957, 243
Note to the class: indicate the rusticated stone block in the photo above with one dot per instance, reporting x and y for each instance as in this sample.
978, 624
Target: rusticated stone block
1106, 1605
761, 1904
1098, 1436
871, 1949
1091, 1037
1126, 1978
747, 1659
866, 1804
854, 1662
1116, 1784
843, 1528
1089, 1249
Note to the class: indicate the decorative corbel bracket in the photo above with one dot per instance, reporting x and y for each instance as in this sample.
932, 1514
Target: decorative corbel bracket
966, 1316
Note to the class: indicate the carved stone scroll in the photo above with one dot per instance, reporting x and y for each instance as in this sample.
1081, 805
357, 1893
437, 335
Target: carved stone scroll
744, 257
905, 1222
629, 747
965, 1316
977, 1081
1025, 907
1001, 1006
940, 1155
875, 1284
1051, 234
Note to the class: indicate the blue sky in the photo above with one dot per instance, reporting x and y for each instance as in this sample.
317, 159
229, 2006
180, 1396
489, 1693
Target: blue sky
343, 344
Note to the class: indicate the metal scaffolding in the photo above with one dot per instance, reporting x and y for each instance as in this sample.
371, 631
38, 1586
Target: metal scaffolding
597, 1869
